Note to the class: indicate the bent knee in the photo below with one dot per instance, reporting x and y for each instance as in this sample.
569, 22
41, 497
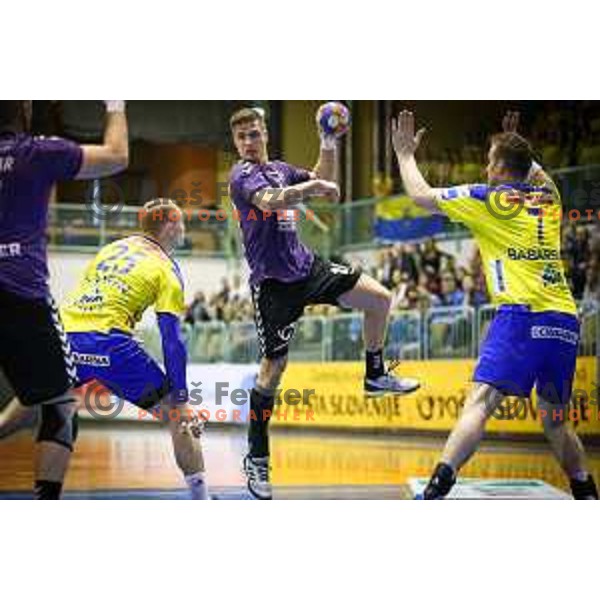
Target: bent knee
381, 301
58, 423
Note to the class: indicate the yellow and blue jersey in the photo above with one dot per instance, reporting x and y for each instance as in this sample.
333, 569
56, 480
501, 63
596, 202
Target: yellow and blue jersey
125, 278
517, 229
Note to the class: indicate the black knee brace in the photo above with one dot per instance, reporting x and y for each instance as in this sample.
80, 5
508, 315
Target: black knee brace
57, 424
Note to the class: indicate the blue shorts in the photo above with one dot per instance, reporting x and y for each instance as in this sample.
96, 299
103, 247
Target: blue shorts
119, 363
523, 348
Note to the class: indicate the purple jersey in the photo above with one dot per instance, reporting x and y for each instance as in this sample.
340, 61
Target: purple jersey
273, 249
29, 167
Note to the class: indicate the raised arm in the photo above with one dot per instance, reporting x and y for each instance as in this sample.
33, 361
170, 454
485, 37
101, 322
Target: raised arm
326, 167
405, 143
112, 156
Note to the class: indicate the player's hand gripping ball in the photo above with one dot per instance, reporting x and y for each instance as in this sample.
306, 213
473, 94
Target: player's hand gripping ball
333, 119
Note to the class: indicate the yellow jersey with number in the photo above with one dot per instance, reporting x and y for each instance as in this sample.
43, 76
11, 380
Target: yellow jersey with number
517, 229
125, 278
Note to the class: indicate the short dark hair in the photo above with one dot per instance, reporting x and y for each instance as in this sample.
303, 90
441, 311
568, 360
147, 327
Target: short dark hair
514, 151
10, 110
246, 115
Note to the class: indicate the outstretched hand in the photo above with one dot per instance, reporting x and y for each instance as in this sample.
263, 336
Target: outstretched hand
404, 139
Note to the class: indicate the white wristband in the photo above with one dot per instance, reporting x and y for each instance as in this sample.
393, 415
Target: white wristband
115, 106
535, 167
328, 142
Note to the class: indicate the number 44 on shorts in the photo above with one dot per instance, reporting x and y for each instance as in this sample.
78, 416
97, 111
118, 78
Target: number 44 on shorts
338, 269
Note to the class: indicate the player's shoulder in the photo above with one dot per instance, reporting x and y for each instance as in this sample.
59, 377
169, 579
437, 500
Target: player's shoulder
157, 265
164, 263
469, 191
280, 164
284, 167
43, 147
155, 255
176, 274
242, 169
111, 247
50, 142
170, 274
21, 143
528, 192
47, 139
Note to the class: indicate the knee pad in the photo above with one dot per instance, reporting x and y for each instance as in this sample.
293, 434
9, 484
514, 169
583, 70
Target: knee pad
57, 423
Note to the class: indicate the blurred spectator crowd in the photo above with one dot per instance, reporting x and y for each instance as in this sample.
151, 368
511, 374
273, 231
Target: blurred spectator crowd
581, 257
421, 276
231, 302
563, 134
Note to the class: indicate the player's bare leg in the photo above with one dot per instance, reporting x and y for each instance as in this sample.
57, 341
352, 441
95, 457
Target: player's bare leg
54, 445
567, 449
468, 431
262, 401
464, 439
185, 429
369, 296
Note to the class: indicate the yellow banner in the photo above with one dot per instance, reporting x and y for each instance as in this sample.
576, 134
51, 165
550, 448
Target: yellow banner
330, 395
399, 207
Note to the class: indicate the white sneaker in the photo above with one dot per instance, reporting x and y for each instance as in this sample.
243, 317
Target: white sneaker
257, 477
390, 384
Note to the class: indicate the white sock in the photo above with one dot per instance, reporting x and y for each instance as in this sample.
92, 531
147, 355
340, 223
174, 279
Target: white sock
197, 486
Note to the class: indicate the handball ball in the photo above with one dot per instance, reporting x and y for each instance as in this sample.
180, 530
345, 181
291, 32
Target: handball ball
333, 118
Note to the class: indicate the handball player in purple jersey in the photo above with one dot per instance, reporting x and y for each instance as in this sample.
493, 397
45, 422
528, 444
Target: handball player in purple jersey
34, 352
286, 276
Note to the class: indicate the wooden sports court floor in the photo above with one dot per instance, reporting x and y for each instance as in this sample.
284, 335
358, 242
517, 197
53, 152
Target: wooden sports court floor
135, 462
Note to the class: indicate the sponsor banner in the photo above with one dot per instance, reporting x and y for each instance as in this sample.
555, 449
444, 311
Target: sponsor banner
218, 393
338, 399
224, 388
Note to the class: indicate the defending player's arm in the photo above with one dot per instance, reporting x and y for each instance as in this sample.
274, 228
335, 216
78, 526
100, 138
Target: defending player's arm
169, 306
405, 143
464, 204
112, 156
174, 355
